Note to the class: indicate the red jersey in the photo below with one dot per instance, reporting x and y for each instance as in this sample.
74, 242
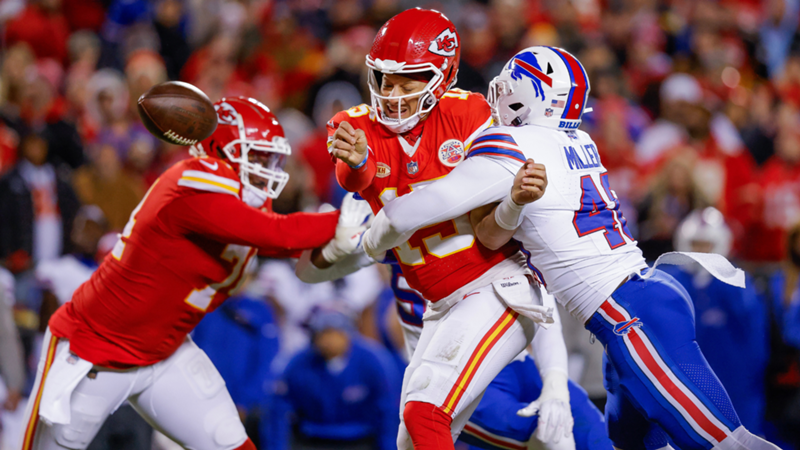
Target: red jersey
440, 259
779, 211
181, 254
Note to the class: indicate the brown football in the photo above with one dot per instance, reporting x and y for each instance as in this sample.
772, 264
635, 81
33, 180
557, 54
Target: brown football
177, 113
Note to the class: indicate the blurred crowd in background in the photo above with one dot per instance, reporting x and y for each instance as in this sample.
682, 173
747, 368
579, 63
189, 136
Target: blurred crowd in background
696, 104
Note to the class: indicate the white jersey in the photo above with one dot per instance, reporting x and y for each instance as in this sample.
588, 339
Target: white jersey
575, 236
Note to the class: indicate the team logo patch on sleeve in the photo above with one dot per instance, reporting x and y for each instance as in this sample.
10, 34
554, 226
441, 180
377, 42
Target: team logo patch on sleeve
383, 170
451, 152
623, 328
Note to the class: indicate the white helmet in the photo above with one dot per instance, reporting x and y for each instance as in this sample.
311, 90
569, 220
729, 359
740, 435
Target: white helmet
704, 225
544, 86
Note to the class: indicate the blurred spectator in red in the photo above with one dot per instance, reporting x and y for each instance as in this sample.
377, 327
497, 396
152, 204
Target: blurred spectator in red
780, 193
42, 26
721, 167
9, 140
84, 14
104, 183
37, 207
333, 97
213, 70
44, 110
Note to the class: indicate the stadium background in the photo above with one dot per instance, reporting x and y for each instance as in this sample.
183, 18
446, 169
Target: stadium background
695, 104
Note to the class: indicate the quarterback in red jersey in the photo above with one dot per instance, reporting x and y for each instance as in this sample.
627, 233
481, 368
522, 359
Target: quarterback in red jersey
124, 335
416, 130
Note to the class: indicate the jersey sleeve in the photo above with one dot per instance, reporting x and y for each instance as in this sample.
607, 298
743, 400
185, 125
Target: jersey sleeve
353, 180
226, 219
499, 146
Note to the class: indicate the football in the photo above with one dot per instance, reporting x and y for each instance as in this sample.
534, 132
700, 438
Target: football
177, 113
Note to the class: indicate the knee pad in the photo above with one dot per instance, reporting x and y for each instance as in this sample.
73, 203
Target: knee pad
224, 427
420, 380
87, 416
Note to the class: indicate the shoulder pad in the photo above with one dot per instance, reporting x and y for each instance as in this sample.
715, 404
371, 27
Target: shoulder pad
209, 174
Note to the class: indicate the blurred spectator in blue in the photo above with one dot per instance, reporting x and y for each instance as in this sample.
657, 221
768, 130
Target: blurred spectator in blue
241, 338
37, 207
783, 384
732, 324
777, 33
336, 394
170, 25
495, 424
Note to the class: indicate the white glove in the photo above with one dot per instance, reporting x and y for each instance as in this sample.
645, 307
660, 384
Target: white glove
353, 221
552, 406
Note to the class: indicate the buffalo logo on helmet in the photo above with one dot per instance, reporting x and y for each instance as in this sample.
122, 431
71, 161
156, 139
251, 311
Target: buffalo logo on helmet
445, 43
526, 65
451, 152
226, 114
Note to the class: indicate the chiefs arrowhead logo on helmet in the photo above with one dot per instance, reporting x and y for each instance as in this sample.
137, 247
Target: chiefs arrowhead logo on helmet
445, 43
226, 114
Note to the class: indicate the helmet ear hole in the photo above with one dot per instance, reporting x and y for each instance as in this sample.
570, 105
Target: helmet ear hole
515, 106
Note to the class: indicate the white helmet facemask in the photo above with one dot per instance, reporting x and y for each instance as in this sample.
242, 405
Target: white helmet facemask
261, 162
427, 99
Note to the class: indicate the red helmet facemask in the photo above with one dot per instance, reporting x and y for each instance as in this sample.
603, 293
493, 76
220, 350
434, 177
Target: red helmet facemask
428, 43
250, 138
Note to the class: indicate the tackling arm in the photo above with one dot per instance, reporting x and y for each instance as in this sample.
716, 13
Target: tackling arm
309, 271
475, 182
225, 218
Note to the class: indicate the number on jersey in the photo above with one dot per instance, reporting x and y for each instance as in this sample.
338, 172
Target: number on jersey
441, 241
598, 214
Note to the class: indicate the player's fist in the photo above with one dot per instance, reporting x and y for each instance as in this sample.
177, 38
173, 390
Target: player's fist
349, 144
529, 183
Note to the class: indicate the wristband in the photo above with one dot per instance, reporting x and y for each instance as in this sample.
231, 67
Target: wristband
508, 214
361, 164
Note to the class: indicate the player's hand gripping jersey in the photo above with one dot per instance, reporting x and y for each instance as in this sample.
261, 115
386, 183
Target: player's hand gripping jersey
181, 254
443, 257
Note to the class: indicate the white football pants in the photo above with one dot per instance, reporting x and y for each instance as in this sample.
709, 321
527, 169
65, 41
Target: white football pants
183, 397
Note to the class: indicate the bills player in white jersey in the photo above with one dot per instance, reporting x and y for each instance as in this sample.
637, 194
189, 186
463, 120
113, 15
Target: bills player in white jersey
578, 243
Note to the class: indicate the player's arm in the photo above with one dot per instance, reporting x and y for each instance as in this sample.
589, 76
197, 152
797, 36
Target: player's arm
550, 354
312, 267
475, 182
354, 167
495, 225
225, 218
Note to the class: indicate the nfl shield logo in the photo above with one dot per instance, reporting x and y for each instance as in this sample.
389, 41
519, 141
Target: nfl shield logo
412, 167
548, 112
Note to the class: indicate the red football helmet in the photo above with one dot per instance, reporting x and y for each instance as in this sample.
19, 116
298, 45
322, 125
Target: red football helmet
412, 42
250, 138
